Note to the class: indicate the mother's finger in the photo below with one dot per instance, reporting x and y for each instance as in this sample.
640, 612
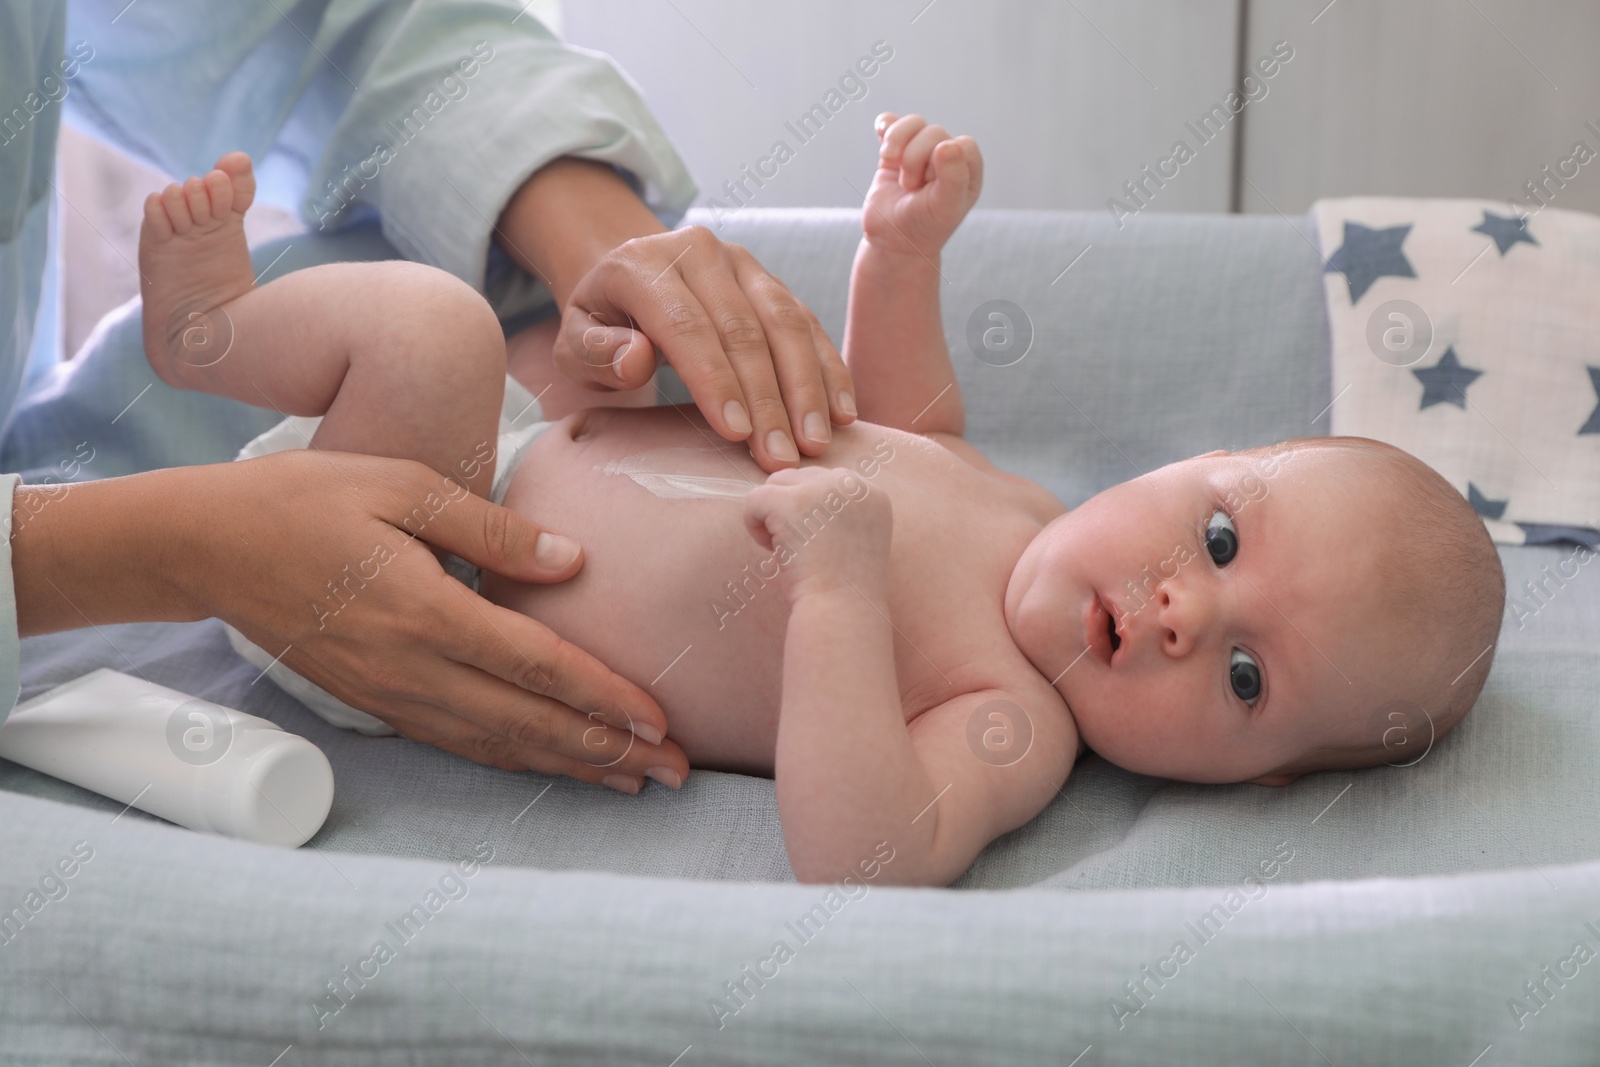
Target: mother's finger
840, 384
602, 354
461, 737
743, 332
658, 304
499, 721
797, 357
483, 533
530, 656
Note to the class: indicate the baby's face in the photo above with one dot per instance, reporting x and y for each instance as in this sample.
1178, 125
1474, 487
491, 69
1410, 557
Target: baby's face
1246, 629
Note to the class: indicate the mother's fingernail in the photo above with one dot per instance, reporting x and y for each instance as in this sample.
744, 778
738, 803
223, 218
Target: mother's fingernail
622, 783
816, 427
646, 732
780, 448
616, 360
735, 416
847, 404
666, 776
555, 551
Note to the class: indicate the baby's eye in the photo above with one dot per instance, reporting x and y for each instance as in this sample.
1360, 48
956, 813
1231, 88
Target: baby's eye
1222, 541
1244, 676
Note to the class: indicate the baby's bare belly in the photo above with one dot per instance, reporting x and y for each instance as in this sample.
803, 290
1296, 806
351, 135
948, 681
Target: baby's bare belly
673, 595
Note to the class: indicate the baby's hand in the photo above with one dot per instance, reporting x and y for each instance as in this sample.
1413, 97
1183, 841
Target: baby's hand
925, 184
827, 529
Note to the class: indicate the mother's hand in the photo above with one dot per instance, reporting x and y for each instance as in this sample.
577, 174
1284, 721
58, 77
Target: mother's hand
755, 359
312, 554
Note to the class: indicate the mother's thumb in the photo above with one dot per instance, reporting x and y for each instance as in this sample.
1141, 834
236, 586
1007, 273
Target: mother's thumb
616, 357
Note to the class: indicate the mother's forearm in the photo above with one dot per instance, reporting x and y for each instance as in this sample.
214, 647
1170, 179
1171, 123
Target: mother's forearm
96, 553
566, 216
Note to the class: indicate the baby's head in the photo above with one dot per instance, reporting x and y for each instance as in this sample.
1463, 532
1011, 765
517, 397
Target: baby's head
1321, 604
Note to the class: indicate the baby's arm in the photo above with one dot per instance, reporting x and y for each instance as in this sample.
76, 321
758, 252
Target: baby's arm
851, 778
894, 338
401, 359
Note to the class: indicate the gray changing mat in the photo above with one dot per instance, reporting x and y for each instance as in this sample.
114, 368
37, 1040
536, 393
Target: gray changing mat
1410, 914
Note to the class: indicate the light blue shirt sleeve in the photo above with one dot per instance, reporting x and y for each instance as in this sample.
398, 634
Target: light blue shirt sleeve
431, 113
10, 643
31, 88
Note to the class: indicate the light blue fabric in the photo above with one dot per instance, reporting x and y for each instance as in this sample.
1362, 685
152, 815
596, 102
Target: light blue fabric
418, 117
313, 89
1415, 906
30, 80
31, 84
186, 950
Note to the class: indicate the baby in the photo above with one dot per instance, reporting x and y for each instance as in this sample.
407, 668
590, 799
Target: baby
916, 645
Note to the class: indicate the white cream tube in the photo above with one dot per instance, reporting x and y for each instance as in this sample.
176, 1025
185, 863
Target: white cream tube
189, 761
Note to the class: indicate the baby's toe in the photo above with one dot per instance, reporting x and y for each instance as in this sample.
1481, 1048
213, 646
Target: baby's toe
199, 201
219, 189
157, 225
177, 209
237, 166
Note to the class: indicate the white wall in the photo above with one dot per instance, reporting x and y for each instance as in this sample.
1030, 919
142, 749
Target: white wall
1070, 98
1426, 98
1067, 100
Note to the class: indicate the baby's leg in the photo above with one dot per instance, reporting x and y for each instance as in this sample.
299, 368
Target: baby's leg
401, 359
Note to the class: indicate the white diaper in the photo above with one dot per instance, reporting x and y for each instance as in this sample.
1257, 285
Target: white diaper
521, 423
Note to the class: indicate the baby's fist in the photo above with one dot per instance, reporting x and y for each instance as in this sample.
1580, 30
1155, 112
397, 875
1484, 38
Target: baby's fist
825, 528
926, 183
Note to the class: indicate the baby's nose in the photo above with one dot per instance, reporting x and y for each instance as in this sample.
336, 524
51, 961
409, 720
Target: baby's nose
1182, 619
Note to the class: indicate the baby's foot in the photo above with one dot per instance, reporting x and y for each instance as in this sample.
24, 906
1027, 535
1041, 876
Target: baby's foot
193, 259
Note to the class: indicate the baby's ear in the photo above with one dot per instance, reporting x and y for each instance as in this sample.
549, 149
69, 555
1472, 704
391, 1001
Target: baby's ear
1274, 779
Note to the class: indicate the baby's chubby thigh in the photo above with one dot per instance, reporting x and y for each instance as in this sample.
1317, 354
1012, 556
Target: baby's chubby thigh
426, 370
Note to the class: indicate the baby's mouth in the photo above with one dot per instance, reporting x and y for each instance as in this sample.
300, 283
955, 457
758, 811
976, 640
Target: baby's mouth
1100, 630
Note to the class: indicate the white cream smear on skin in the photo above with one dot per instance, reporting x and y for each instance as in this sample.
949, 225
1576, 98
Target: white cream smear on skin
662, 473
